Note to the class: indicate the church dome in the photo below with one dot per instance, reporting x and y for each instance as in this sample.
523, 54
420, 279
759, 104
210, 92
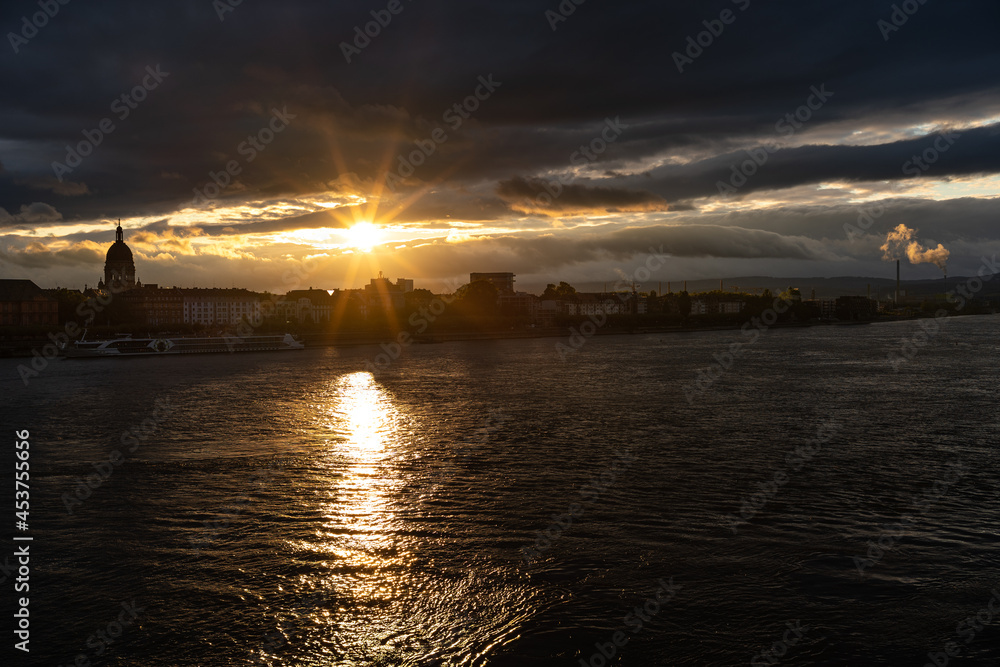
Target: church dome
119, 269
119, 252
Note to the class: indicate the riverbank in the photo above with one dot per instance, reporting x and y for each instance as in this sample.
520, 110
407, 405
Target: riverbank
29, 347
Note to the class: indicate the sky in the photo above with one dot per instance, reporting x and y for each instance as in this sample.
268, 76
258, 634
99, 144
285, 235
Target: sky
279, 145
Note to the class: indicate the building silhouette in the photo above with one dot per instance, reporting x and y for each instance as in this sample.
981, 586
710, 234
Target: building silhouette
381, 294
119, 267
504, 282
23, 303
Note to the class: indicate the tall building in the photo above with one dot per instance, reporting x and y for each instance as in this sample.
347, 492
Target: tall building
380, 293
504, 282
119, 267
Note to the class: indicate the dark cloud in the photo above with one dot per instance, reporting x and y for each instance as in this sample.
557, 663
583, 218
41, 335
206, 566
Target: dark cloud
557, 87
37, 257
539, 195
943, 154
52, 184
708, 241
30, 214
534, 253
352, 123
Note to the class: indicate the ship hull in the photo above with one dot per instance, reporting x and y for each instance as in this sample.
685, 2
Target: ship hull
154, 347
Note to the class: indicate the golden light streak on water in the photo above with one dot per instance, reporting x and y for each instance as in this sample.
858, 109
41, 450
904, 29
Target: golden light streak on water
363, 424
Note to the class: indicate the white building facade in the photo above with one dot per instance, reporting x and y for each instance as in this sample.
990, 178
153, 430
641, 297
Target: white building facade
211, 307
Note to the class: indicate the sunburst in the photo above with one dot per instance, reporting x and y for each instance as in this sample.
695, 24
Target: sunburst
363, 236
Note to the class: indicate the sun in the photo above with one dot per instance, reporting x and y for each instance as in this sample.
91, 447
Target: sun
363, 236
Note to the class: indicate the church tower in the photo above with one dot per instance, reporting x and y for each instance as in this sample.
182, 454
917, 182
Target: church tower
119, 268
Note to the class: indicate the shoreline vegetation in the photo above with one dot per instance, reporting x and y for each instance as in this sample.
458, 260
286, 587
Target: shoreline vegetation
24, 344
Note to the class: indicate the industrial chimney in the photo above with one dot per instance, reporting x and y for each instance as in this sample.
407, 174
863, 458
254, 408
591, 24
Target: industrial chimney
897, 282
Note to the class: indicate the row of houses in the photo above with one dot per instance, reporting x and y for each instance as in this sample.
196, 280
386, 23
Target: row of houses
716, 307
156, 306
593, 304
22, 303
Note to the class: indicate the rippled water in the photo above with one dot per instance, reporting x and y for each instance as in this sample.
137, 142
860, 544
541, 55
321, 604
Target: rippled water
293, 509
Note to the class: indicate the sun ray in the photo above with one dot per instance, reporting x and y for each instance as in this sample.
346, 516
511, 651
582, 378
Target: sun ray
364, 236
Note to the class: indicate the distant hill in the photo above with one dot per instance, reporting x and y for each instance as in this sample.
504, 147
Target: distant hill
825, 287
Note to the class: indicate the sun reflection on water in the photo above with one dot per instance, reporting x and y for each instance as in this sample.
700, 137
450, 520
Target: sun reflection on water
356, 548
364, 425
372, 556
364, 413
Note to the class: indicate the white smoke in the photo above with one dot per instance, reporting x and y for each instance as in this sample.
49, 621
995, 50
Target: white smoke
938, 256
900, 243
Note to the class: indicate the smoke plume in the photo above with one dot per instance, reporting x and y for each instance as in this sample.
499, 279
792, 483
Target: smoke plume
900, 243
895, 243
918, 254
